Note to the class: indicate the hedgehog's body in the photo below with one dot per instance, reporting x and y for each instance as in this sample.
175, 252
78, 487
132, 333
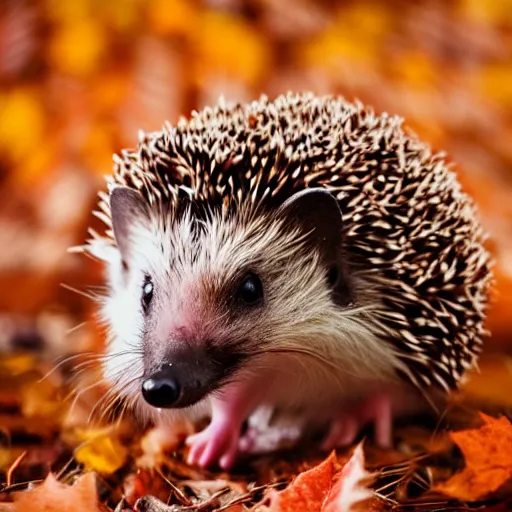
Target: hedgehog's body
263, 293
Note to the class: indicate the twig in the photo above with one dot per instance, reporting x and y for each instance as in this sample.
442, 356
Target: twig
207, 503
247, 496
13, 468
120, 506
60, 474
19, 486
179, 493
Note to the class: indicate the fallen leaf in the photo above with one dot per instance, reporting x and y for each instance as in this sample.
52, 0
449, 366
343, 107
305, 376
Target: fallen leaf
41, 399
101, 452
78, 48
161, 439
307, 492
351, 487
486, 451
152, 504
225, 45
18, 364
145, 482
54, 496
325, 488
22, 122
492, 382
172, 16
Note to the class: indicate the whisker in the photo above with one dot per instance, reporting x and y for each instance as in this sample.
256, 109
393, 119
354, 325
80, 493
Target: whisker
90, 296
111, 398
77, 394
76, 328
67, 359
107, 401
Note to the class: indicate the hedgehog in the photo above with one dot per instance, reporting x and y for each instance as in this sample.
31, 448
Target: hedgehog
304, 254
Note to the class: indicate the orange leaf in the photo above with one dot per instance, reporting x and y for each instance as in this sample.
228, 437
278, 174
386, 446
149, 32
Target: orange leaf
78, 48
145, 482
488, 463
225, 45
350, 488
54, 496
325, 488
172, 16
22, 122
308, 491
159, 440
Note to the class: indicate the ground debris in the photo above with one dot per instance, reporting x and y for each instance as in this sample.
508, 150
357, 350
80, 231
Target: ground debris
122, 468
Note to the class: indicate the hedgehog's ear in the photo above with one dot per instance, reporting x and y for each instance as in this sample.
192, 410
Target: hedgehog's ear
127, 208
319, 214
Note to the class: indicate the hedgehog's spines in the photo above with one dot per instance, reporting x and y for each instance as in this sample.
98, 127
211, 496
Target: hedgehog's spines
408, 226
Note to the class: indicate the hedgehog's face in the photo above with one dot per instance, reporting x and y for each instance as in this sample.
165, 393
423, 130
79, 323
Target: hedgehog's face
192, 301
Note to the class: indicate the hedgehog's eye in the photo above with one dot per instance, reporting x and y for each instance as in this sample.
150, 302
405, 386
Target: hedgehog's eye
250, 291
147, 293
333, 275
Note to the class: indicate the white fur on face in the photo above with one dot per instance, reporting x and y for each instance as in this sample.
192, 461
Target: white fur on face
312, 348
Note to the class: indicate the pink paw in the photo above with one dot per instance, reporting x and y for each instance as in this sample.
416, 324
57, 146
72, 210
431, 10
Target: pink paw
345, 428
216, 444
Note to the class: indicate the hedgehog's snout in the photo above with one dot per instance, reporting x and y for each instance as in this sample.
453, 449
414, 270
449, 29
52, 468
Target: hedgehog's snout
186, 377
161, 389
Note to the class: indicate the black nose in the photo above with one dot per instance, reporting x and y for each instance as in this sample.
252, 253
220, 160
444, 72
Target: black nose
161, 390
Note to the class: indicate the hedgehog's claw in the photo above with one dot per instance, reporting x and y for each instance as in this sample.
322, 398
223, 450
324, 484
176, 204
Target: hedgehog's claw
344, 429
342, 432
217, 443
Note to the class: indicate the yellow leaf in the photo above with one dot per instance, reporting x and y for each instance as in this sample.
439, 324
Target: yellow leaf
416, 69
41, 399
122, 14
333, 46
77, 48
102, 453
494, 83
6, 458
495, 12
38, 164
82, 435
18, 364
176, 17
21, 123
226, 45
67, 12
8, 455
354, 36
368, 19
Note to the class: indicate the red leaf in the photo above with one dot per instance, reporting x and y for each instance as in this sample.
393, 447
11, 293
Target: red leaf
325, 488
308, 491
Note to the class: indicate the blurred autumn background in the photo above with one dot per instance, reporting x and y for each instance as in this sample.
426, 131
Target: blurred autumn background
79, 78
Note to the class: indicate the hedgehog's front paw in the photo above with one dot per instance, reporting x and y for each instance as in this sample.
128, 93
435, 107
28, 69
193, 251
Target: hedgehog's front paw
216, 444
266, 433
345, 428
